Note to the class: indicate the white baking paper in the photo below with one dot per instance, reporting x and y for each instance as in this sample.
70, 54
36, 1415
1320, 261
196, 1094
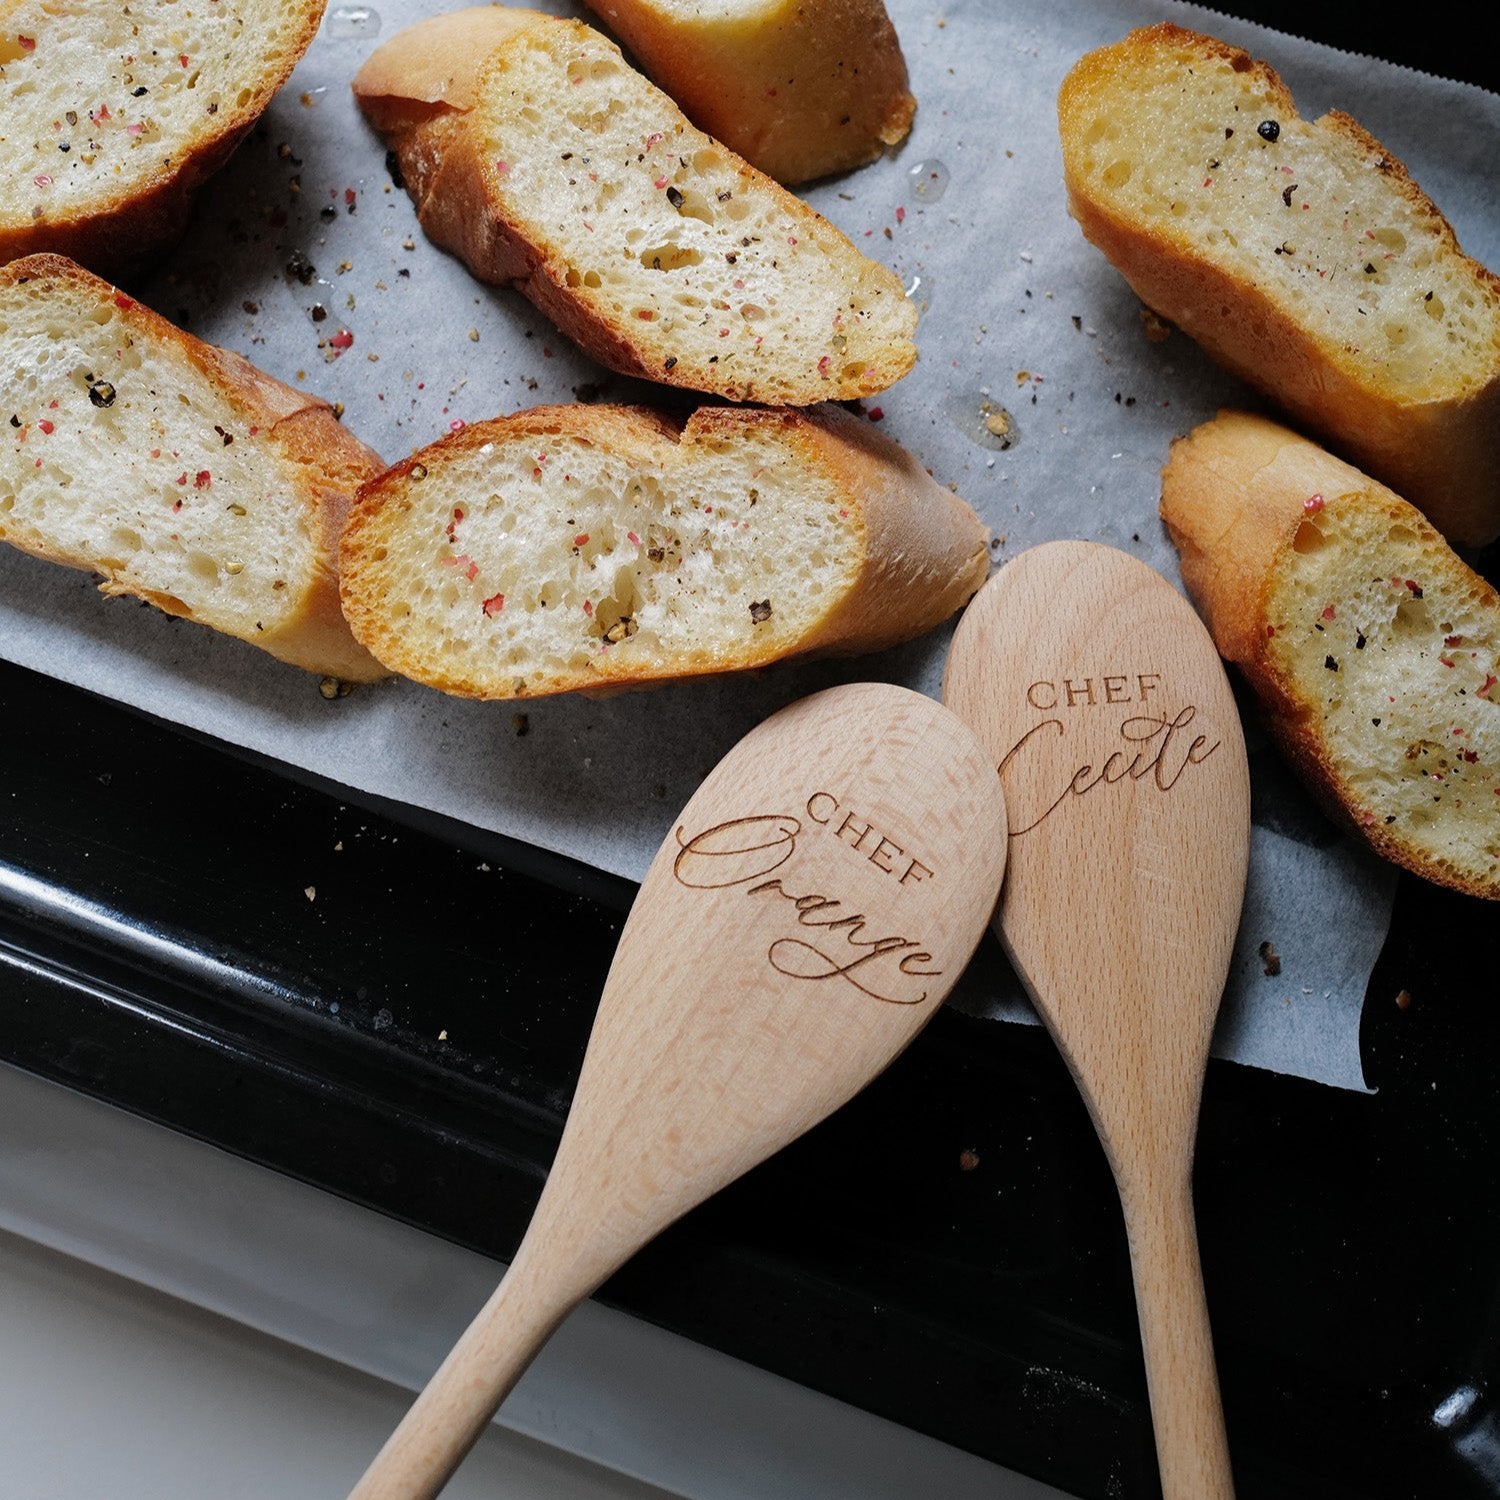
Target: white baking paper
1020, 314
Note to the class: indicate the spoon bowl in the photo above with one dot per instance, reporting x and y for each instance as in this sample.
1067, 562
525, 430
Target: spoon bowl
813, 904
1103, 703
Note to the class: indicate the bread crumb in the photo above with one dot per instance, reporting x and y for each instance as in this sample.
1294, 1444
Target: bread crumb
1157, 329
1271, 959
311, 892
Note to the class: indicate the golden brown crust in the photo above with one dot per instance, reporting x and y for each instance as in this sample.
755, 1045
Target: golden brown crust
418, 90
1439, 447
331, 463
119, 229
1234, 493
799, 88
922, 552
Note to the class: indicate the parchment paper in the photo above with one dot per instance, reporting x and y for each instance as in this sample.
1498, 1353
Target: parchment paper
1021, 314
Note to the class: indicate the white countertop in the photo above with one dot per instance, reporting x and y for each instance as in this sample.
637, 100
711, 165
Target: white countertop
179, 1324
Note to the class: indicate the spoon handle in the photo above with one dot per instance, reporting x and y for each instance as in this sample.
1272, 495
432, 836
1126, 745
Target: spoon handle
446, 1420
1192, 1451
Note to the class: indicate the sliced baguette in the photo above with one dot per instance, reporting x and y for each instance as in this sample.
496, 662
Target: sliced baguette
581, 547
115, 113
177, 471
536, 154
1374, 648
1300, 255
799, 88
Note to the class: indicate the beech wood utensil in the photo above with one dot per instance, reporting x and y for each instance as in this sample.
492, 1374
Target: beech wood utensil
1103, 703
814, 903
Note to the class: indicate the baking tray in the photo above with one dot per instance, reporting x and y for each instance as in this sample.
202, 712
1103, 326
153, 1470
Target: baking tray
394, 1008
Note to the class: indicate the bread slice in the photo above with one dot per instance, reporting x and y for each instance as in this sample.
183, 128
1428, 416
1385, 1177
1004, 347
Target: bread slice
114, 113
543, 160
799, 88
1375, 650
1302, 257
580, 547
177, 471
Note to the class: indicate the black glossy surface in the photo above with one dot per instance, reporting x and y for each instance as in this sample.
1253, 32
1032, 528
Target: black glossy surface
158, 947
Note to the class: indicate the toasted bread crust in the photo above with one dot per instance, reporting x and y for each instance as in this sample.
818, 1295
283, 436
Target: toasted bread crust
419, 91
329, 460
1235, 493
122, 225
922, 553
799, 88
1435, 441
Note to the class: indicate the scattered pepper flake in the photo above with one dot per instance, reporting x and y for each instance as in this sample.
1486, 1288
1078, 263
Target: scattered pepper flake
46, 426
1328, 613
341, 340
494, 604
760, 612
202, 480
1271, 959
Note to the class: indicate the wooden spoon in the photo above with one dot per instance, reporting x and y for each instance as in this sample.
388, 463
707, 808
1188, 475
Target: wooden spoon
1101, 698
816, 900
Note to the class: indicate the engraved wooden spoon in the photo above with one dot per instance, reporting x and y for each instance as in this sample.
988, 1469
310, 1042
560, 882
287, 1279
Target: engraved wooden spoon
1103, 703
814, 903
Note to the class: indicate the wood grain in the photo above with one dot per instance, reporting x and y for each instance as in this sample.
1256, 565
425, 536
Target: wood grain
806, 915
1104, 705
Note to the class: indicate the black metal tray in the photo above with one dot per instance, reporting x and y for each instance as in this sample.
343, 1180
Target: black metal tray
394, 1008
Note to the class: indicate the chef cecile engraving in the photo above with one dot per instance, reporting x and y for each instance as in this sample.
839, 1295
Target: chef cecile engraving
1161, 745
749, 851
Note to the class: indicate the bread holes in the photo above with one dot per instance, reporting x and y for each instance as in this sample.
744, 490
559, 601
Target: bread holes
202, 567
694, 205
670, 257
1308, 538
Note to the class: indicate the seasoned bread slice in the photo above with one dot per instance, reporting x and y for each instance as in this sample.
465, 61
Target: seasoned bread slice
114, 113
800, 88
579, 547
1302, 257
177, 471
535, 153
1374, 649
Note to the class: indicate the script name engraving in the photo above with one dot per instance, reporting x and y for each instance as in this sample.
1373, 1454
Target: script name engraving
1159, 746
755, 854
